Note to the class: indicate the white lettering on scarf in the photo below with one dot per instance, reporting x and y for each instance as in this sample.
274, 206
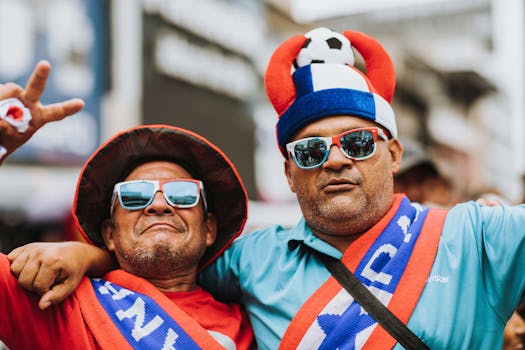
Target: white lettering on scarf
138, 311
381, 277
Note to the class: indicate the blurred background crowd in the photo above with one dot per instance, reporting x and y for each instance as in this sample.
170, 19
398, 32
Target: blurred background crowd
199, 64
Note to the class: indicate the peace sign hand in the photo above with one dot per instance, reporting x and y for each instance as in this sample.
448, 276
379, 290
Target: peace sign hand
10, 137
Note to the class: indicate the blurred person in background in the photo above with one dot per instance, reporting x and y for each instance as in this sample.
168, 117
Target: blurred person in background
421, 181
453, 277
492, 195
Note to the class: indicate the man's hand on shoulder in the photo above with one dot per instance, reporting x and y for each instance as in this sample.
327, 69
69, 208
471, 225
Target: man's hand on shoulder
54, 270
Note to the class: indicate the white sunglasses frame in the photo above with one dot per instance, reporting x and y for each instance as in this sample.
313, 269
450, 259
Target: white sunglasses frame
158, 186
335, 140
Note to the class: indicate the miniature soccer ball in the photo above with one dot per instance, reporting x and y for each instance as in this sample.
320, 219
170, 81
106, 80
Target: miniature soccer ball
325, 46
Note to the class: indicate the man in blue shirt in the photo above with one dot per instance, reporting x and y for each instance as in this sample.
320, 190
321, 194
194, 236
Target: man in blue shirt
453, 277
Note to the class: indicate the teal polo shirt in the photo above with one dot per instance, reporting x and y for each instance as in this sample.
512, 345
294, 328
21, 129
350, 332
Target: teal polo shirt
474, 285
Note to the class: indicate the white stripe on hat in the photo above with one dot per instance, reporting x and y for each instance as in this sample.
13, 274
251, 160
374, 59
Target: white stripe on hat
338, 76
333, 76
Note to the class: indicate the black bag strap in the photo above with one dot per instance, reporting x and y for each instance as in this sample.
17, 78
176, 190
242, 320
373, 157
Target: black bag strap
372, 305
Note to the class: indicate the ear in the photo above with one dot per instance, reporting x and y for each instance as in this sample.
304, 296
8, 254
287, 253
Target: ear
287, 172
396, 152
211, 229
107, 234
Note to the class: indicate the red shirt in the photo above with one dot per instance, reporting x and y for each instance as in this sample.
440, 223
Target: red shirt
24, 326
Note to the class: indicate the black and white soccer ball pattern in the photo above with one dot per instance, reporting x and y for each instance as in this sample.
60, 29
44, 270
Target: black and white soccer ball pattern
325, 46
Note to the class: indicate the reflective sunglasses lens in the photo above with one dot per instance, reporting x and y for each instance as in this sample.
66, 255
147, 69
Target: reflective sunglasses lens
136, 195
181, 193
358, 144
310, 153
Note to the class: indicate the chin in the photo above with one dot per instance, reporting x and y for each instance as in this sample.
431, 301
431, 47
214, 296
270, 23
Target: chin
161, 238
337, 213
351, 205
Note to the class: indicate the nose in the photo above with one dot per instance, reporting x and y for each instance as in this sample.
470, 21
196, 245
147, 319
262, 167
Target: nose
336, 159
159, 205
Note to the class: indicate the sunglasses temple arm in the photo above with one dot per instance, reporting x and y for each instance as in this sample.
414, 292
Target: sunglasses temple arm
204, 201
112, 207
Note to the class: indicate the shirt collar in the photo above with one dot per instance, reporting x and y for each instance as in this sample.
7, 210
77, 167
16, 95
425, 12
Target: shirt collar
302, 234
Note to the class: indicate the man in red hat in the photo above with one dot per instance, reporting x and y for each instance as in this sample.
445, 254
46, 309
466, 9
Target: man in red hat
453, 277
165, 202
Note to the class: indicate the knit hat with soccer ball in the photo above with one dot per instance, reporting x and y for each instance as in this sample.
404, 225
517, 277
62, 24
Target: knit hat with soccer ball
326, 83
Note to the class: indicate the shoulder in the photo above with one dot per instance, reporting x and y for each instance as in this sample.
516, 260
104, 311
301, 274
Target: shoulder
5, 273
3, 261
262, 245
6, 277
11, 290
492, 223
496, 215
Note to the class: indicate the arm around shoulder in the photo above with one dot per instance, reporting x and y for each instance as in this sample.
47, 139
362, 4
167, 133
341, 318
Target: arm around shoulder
54, 270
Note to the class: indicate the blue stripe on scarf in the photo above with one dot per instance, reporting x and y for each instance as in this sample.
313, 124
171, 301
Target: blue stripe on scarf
143, 323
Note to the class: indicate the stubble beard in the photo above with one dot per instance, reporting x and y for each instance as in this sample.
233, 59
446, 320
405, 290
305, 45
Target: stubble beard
344, 216
161, 260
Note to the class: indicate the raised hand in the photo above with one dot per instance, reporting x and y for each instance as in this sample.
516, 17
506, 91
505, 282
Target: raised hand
10, 137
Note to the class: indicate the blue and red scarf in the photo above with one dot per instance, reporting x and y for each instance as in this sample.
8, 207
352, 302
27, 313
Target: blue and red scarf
393, 260
137, 316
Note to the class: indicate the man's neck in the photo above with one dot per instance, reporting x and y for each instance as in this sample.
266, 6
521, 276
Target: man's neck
182, 280
176, 284
340, 242
162, 274
341, 233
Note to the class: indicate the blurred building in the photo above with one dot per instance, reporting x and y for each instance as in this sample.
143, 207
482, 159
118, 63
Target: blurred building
199, 64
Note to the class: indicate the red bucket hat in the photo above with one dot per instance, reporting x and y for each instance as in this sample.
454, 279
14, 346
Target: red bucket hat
119, 155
